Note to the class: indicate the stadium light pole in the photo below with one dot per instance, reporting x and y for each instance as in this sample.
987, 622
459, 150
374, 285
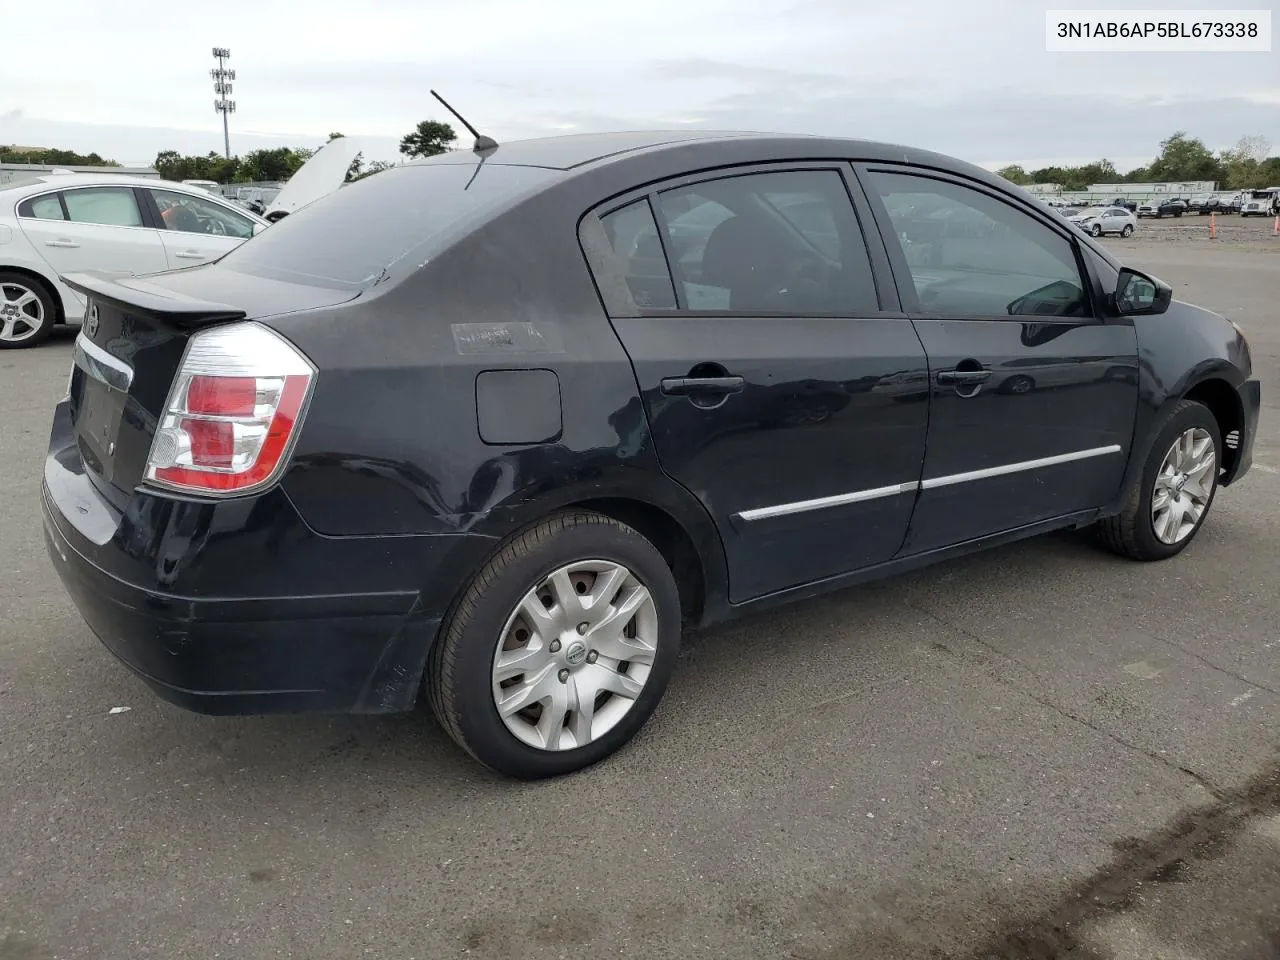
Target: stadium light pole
222, 78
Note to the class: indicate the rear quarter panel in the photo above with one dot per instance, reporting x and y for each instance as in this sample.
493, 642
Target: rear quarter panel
391, 444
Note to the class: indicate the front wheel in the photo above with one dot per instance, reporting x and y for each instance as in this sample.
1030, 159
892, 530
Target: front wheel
1172, 498
1127, 231
1097, 230
560, 648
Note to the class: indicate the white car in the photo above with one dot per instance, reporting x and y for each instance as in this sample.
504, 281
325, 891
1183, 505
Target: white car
1097, 221
61, 223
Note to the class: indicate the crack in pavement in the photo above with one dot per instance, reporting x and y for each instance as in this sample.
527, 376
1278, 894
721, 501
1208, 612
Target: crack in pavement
1062, 711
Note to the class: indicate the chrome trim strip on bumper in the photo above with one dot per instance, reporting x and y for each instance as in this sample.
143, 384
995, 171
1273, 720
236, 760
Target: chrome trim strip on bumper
839, 500
100, 365
1019, 467
877, 493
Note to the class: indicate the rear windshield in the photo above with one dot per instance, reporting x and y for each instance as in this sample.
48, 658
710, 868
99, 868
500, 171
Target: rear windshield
350, 237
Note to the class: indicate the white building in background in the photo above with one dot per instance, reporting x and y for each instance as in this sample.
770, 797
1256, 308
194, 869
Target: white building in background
20, 171
1184, 189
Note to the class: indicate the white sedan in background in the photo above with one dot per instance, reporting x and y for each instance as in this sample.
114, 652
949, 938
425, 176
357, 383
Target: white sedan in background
1098, 221
60, 223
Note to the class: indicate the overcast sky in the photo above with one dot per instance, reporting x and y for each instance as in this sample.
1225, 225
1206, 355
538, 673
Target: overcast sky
965, 77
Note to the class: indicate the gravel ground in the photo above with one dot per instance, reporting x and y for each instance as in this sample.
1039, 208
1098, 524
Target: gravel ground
1041, 751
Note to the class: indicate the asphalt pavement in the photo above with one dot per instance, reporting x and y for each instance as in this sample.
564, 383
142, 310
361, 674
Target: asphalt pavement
1040, 751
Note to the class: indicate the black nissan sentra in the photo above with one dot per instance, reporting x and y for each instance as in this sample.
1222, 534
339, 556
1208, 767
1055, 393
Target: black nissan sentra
502, 423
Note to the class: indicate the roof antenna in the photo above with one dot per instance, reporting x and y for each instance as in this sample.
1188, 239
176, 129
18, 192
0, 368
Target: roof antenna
482, 142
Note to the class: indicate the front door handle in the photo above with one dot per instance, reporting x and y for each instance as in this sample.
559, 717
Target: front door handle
67, 244
702, 386
963, 377
190, 255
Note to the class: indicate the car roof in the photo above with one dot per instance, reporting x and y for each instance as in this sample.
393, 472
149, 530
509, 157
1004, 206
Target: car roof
575, 151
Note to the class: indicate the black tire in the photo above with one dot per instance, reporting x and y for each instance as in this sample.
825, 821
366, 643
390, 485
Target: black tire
1131, 533
459, 674
1127, 231
9, 281
1097, 230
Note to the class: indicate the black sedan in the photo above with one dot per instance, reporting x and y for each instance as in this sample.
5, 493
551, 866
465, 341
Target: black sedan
501, 424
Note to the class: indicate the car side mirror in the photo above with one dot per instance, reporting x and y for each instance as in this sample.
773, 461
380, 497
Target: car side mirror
1139, 295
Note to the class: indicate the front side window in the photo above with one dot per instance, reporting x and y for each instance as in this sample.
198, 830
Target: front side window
787, 243
110, 206
188, 214
47, 207
970, 254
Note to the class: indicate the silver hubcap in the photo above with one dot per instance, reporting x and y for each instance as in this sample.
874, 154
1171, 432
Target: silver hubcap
574, 655
21, 312
1184, 485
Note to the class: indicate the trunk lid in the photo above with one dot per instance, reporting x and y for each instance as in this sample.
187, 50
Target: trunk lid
130, 348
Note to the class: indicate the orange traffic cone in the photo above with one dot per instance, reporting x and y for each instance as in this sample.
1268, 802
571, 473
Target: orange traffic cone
1213, 225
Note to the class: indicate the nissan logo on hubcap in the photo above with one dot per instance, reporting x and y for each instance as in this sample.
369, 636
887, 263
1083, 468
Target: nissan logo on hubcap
576, 653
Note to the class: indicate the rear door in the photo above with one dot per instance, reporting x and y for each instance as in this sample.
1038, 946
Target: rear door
93, 228
778, 388
1034, 397
194, 229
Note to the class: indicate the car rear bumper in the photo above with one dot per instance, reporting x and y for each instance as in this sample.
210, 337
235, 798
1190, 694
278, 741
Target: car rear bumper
238, 607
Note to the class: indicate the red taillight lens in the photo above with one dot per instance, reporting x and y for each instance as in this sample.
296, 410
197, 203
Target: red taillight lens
222, 396
233, 412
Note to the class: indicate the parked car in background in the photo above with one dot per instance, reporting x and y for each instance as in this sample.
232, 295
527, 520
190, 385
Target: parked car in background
1162, 208
1261, 203
1098, 221
632, 429
210, 186
62, 223
1130, 205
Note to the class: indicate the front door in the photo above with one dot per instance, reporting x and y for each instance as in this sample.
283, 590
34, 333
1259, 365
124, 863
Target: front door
776, 389
94, 228
1033, 397
196, 230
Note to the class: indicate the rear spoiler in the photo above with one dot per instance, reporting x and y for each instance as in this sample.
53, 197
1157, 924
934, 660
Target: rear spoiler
141, 296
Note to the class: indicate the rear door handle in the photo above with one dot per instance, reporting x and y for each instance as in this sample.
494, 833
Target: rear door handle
701, 386
963, 377
190, 255
68, 244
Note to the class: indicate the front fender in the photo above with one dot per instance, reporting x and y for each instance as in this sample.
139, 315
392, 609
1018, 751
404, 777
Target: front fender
1178, 351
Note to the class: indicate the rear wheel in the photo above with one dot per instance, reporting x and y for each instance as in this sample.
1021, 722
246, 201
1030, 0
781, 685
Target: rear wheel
1127, 231
1172, 499
27, 311
560, 648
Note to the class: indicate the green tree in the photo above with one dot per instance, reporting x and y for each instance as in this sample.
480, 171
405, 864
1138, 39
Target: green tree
1185, 158
61, 158
428, 139
1014, 174
278, 164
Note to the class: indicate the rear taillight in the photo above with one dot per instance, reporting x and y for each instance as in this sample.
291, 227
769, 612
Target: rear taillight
233, 412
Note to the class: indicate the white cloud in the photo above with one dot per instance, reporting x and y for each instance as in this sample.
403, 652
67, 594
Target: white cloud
967, 78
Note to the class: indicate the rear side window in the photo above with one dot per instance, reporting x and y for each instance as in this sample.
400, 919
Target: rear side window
347, 239
786, 243
633, 236
110, 206
42, 208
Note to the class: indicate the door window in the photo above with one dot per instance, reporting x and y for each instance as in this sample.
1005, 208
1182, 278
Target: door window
187, 214
633, 236
111, 206
42, 208
785, 243
970, 254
